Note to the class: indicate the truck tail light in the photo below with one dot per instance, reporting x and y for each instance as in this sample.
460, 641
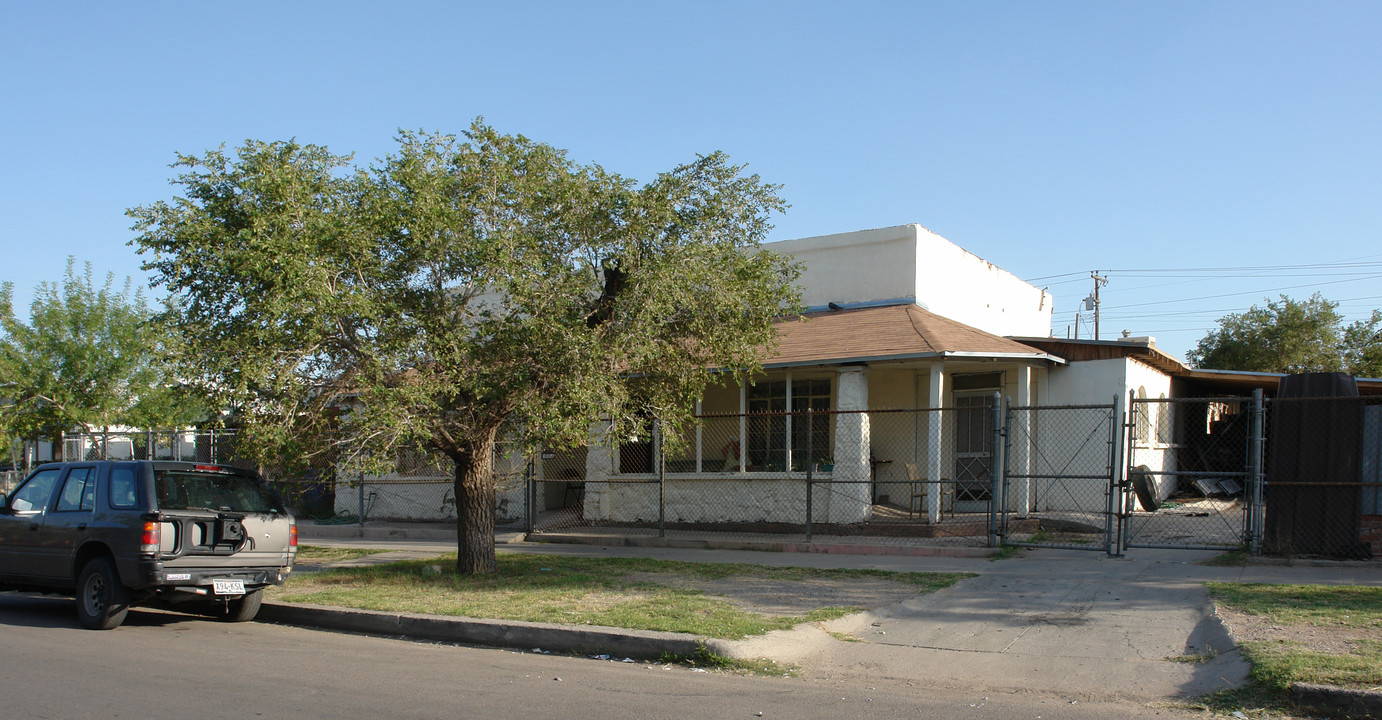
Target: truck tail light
152, 537
293, 536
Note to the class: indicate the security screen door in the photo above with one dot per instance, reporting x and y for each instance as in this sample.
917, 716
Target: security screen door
973, 450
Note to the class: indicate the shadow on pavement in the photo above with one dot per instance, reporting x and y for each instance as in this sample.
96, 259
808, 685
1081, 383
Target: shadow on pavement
45, 611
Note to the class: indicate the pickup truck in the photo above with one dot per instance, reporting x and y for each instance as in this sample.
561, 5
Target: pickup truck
120, 533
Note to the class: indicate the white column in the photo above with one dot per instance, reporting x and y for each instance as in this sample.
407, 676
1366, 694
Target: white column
599, 465
1023, 444
936, 442
852, 450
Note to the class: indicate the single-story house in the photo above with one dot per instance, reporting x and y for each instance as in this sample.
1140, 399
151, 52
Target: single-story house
897, 319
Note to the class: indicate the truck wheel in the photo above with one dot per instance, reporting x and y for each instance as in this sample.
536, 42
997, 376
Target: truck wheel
102, 602
244, 608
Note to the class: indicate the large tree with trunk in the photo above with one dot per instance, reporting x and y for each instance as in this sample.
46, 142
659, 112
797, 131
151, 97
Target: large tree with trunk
460, 291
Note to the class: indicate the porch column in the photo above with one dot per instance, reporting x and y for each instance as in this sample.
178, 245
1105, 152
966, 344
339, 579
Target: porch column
936, 441
852, 448
1022, 445
599, 465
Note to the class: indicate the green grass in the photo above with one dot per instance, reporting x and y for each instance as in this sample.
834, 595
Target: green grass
1319, 605
631, 593
1253, 700
1276, 665
320, 554
1006, 551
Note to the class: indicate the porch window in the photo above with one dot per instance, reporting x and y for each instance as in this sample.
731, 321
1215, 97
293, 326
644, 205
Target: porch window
636, 453
768, 423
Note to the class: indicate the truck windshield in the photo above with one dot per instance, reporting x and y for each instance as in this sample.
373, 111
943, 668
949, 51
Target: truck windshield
178, 490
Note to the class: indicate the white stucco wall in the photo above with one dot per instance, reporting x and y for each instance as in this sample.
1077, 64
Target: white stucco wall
429, 497
1094, 382
1152, 451
911, 262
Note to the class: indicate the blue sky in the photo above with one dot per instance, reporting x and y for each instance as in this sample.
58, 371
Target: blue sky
1232, 147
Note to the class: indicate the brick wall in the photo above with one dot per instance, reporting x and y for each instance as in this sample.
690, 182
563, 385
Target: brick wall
1370, 532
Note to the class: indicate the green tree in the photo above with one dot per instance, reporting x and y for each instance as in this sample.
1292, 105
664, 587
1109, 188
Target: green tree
88, 357
460, 291
1362, 346
1291, 336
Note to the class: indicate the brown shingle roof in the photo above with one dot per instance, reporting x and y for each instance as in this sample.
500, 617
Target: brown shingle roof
893, 332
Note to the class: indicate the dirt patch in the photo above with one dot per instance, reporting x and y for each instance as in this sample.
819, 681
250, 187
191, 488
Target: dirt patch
791, 597
1329, 640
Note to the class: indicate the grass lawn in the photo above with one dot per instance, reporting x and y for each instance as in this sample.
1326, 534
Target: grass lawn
631, 593
1326, 634
319, 554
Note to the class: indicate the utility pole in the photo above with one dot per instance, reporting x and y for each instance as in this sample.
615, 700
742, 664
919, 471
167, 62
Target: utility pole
1092, 302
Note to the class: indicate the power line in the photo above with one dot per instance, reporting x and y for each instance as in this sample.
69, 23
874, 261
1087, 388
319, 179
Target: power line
1245, 292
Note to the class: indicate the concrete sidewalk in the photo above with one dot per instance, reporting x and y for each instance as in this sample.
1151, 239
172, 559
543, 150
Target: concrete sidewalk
1075, 624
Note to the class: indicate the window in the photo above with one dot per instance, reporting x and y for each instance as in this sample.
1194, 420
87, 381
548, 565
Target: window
79, 491
768, 422
1142, 419
123, 488
636, 453
34, 496
230, 492
1163, 421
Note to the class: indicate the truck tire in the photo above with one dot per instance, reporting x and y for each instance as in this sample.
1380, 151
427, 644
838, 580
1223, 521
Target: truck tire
102, 602
244, 608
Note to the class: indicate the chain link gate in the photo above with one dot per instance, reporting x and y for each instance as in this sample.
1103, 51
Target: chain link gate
1058, 484
1193, 473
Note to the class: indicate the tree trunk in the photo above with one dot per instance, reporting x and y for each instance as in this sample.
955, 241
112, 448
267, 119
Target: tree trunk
474, 487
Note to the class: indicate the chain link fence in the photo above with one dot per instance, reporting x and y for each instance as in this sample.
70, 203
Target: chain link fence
1286, 477
1322, 491
924, 474
208, 446
1058, 476
421, 488
1189, 479
9, 480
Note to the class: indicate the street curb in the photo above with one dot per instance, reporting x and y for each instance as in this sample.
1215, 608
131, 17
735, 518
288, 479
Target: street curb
1337, 701
760, 545
588, 640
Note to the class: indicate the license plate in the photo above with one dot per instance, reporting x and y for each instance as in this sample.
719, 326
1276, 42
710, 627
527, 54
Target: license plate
228, 587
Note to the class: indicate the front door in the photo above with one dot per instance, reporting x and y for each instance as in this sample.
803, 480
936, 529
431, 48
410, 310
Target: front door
21, 523
973, 451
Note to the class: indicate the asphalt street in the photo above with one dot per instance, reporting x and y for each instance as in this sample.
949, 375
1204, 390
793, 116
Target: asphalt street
162, 664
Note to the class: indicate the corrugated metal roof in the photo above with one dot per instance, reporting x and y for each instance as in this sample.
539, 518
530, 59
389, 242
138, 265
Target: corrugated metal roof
896, 332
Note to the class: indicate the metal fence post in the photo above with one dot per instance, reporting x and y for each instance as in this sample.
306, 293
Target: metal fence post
661, 480
1125, 485
529, 494
361, 493
809, 494
1255, 444
1113, 545
810, 485
998, 495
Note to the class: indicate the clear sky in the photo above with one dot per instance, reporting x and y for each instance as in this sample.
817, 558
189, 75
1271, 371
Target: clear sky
1203, 155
